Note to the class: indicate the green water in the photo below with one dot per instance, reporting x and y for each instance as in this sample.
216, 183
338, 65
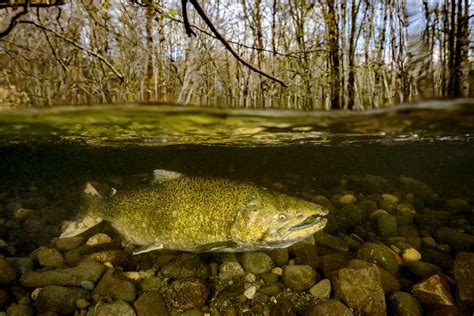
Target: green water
431, 141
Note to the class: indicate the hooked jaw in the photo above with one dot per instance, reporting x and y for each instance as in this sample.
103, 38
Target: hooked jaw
307, 225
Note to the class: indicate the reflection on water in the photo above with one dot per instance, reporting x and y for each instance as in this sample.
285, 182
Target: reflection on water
122, 125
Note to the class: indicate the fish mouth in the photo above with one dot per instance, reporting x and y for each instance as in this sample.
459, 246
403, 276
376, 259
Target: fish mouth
306, 227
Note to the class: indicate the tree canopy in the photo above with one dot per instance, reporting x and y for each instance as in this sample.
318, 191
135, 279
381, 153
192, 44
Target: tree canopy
323, 54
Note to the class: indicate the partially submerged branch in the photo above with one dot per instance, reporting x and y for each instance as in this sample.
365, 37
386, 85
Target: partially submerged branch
211, 26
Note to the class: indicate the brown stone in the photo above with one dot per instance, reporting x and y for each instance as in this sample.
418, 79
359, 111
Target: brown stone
434, 291
330, 307
360, 289
187, 294
464, 276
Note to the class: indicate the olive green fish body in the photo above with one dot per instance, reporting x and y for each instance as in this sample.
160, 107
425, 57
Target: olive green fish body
205, 214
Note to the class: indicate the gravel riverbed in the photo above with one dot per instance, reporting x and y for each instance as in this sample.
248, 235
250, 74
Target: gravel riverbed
391, 247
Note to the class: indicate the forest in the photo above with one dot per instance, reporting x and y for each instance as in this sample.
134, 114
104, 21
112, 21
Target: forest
291, 54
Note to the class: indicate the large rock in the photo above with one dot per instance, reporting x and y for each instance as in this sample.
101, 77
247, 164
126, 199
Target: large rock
53, 298
330, 307
186, 265
86, 271
405, 304
381, 255
388, 282
464, 275
360, 289
257, 262
387, 226
151, 304
423, 269
299, 277
117, 286
433, 291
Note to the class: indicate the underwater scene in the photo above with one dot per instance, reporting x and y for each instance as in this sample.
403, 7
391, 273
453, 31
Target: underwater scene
167, 210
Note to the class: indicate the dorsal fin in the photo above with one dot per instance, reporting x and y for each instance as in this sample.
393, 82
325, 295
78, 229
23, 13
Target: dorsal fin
162, 175
90, 189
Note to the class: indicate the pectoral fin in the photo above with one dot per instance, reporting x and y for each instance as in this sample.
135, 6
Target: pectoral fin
71, 229
147, 248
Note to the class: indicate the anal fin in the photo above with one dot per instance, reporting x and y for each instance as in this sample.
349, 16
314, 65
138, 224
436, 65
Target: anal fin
71, 229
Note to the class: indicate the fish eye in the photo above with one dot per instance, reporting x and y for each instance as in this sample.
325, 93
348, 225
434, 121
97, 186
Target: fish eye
281, 217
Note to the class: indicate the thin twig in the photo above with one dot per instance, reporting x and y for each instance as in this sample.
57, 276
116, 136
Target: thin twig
203, 15
14, 19
90, 52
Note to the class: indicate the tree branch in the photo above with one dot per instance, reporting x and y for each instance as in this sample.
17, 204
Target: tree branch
203, 15
90, 52
14, 19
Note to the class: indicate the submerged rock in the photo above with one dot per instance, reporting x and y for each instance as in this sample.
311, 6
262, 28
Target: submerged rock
116, 308
50, 257
7, 271
321, 290
360, 289
257, 262
186, 265
117, 286
87, 270
380, 255
20, 310
456, 239
330, 307
434, 291
403, 303
464, 276
299, 277
53, 298
150, 304
187, 294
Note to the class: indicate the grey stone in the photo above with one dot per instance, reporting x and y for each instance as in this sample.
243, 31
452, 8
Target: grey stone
151, 284
151, 304
464, 276
330, 307
117, 286
360, 289
321, 290
257, 262
20, 310
387, 226
50, 257
87, 270
59, 299
7, 271
299, 277
405, 304
121, 308
184, 266
380, 255
88, 285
